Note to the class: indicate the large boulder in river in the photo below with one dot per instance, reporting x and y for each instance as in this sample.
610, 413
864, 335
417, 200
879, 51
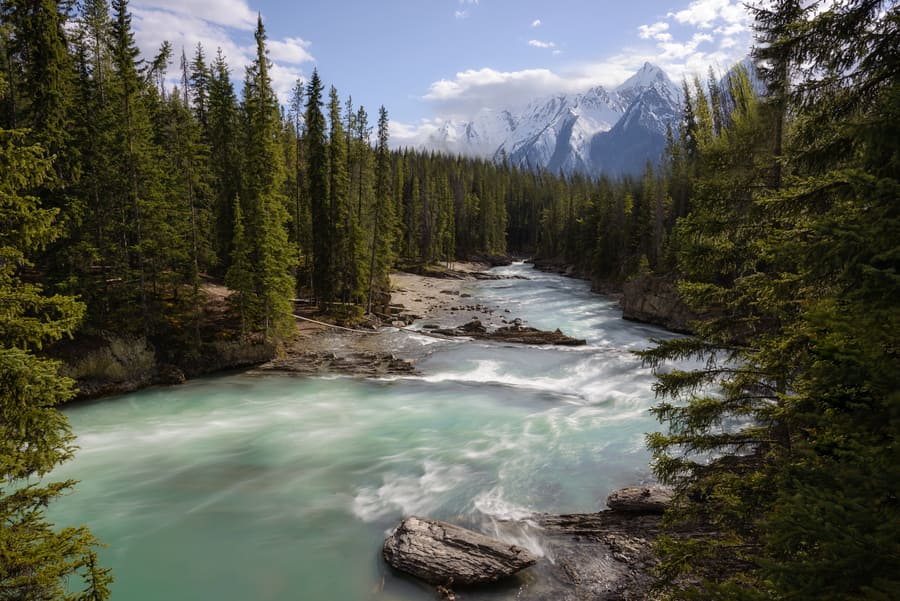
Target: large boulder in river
640, 499
441, 553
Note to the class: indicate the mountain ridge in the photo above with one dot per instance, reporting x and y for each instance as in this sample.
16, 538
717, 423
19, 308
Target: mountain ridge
595, 132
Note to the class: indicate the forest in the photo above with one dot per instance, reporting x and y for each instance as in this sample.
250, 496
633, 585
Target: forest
121, 196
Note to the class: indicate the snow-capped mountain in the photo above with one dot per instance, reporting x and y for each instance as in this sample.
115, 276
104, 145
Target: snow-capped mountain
597, 131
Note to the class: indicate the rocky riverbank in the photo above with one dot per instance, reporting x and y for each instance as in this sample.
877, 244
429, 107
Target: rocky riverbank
602, 556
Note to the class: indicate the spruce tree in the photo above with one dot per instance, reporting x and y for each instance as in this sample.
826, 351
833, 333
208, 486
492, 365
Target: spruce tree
239, 277
383, 218
37, 560
224, 156
317, 178
345, 233
263, 185
301, 219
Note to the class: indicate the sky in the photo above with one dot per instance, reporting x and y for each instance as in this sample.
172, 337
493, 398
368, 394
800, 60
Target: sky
430, 60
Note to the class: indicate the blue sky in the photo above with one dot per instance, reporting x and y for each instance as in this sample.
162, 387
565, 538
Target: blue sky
427, 60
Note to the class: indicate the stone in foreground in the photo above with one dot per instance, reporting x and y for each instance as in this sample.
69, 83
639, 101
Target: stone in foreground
441, 553
640, 499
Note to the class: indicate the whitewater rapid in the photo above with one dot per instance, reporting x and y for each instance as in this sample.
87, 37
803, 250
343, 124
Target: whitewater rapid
278, 487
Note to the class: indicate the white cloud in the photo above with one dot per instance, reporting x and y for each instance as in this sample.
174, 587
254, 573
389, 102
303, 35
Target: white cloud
705, 13
153, 26
290, 50
654, 31
403, 135
474, 89
536, 23
707, 33
679, 50
230, 13
461, 14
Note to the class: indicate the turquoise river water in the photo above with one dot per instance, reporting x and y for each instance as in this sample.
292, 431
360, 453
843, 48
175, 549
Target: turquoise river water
245, 487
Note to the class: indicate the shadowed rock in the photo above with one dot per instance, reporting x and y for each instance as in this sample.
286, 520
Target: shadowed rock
640, 499
656, 300
441, 553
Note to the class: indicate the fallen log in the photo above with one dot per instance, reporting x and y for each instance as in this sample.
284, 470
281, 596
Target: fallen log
441, 553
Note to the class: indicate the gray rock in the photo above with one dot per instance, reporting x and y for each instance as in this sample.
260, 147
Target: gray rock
640, 499
441, 553
654, 299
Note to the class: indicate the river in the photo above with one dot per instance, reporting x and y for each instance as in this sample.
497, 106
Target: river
269, 487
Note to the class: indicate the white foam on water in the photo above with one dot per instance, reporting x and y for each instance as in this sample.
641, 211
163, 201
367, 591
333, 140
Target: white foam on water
492, 503
509, 522
408, 494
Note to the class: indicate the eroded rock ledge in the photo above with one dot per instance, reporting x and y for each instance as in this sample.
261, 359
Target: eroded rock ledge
602, 556
369, 364
515, 332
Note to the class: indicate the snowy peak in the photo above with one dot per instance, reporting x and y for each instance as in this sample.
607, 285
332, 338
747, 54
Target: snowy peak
646, 77
649, 77
590, 132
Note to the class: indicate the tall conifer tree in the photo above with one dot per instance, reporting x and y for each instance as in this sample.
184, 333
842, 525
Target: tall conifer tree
263, 184
317, 178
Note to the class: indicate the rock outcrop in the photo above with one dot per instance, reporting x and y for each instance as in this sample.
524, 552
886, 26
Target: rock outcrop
356, 363
655, 300
640, 499
444, 554
515, 332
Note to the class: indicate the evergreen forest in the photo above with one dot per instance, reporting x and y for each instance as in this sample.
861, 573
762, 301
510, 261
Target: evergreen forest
778, 215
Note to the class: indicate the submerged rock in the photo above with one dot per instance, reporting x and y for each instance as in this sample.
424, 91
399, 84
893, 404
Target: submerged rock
441, 553
640, 499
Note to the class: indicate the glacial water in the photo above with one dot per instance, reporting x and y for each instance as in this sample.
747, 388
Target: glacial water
245, 487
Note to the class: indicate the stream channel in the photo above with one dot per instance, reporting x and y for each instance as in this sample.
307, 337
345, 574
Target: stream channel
243, 487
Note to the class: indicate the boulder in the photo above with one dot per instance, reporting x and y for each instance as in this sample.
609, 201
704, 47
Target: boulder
527, 335
473, 327
640, 499
441, 553
513, 333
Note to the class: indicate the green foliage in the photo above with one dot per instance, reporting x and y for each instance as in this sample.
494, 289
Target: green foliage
782, 445
317, 178
346, 236
36, 560
265, 213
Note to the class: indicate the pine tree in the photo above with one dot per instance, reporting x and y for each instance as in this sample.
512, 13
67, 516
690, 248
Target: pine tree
301, 219
263, 185
383, 218
37, 560
239, 277
224, 156
200, 85
40, 47
320, 210
345, 233
794, 241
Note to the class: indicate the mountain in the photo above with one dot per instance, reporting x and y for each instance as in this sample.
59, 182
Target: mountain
654, 103
594, 132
